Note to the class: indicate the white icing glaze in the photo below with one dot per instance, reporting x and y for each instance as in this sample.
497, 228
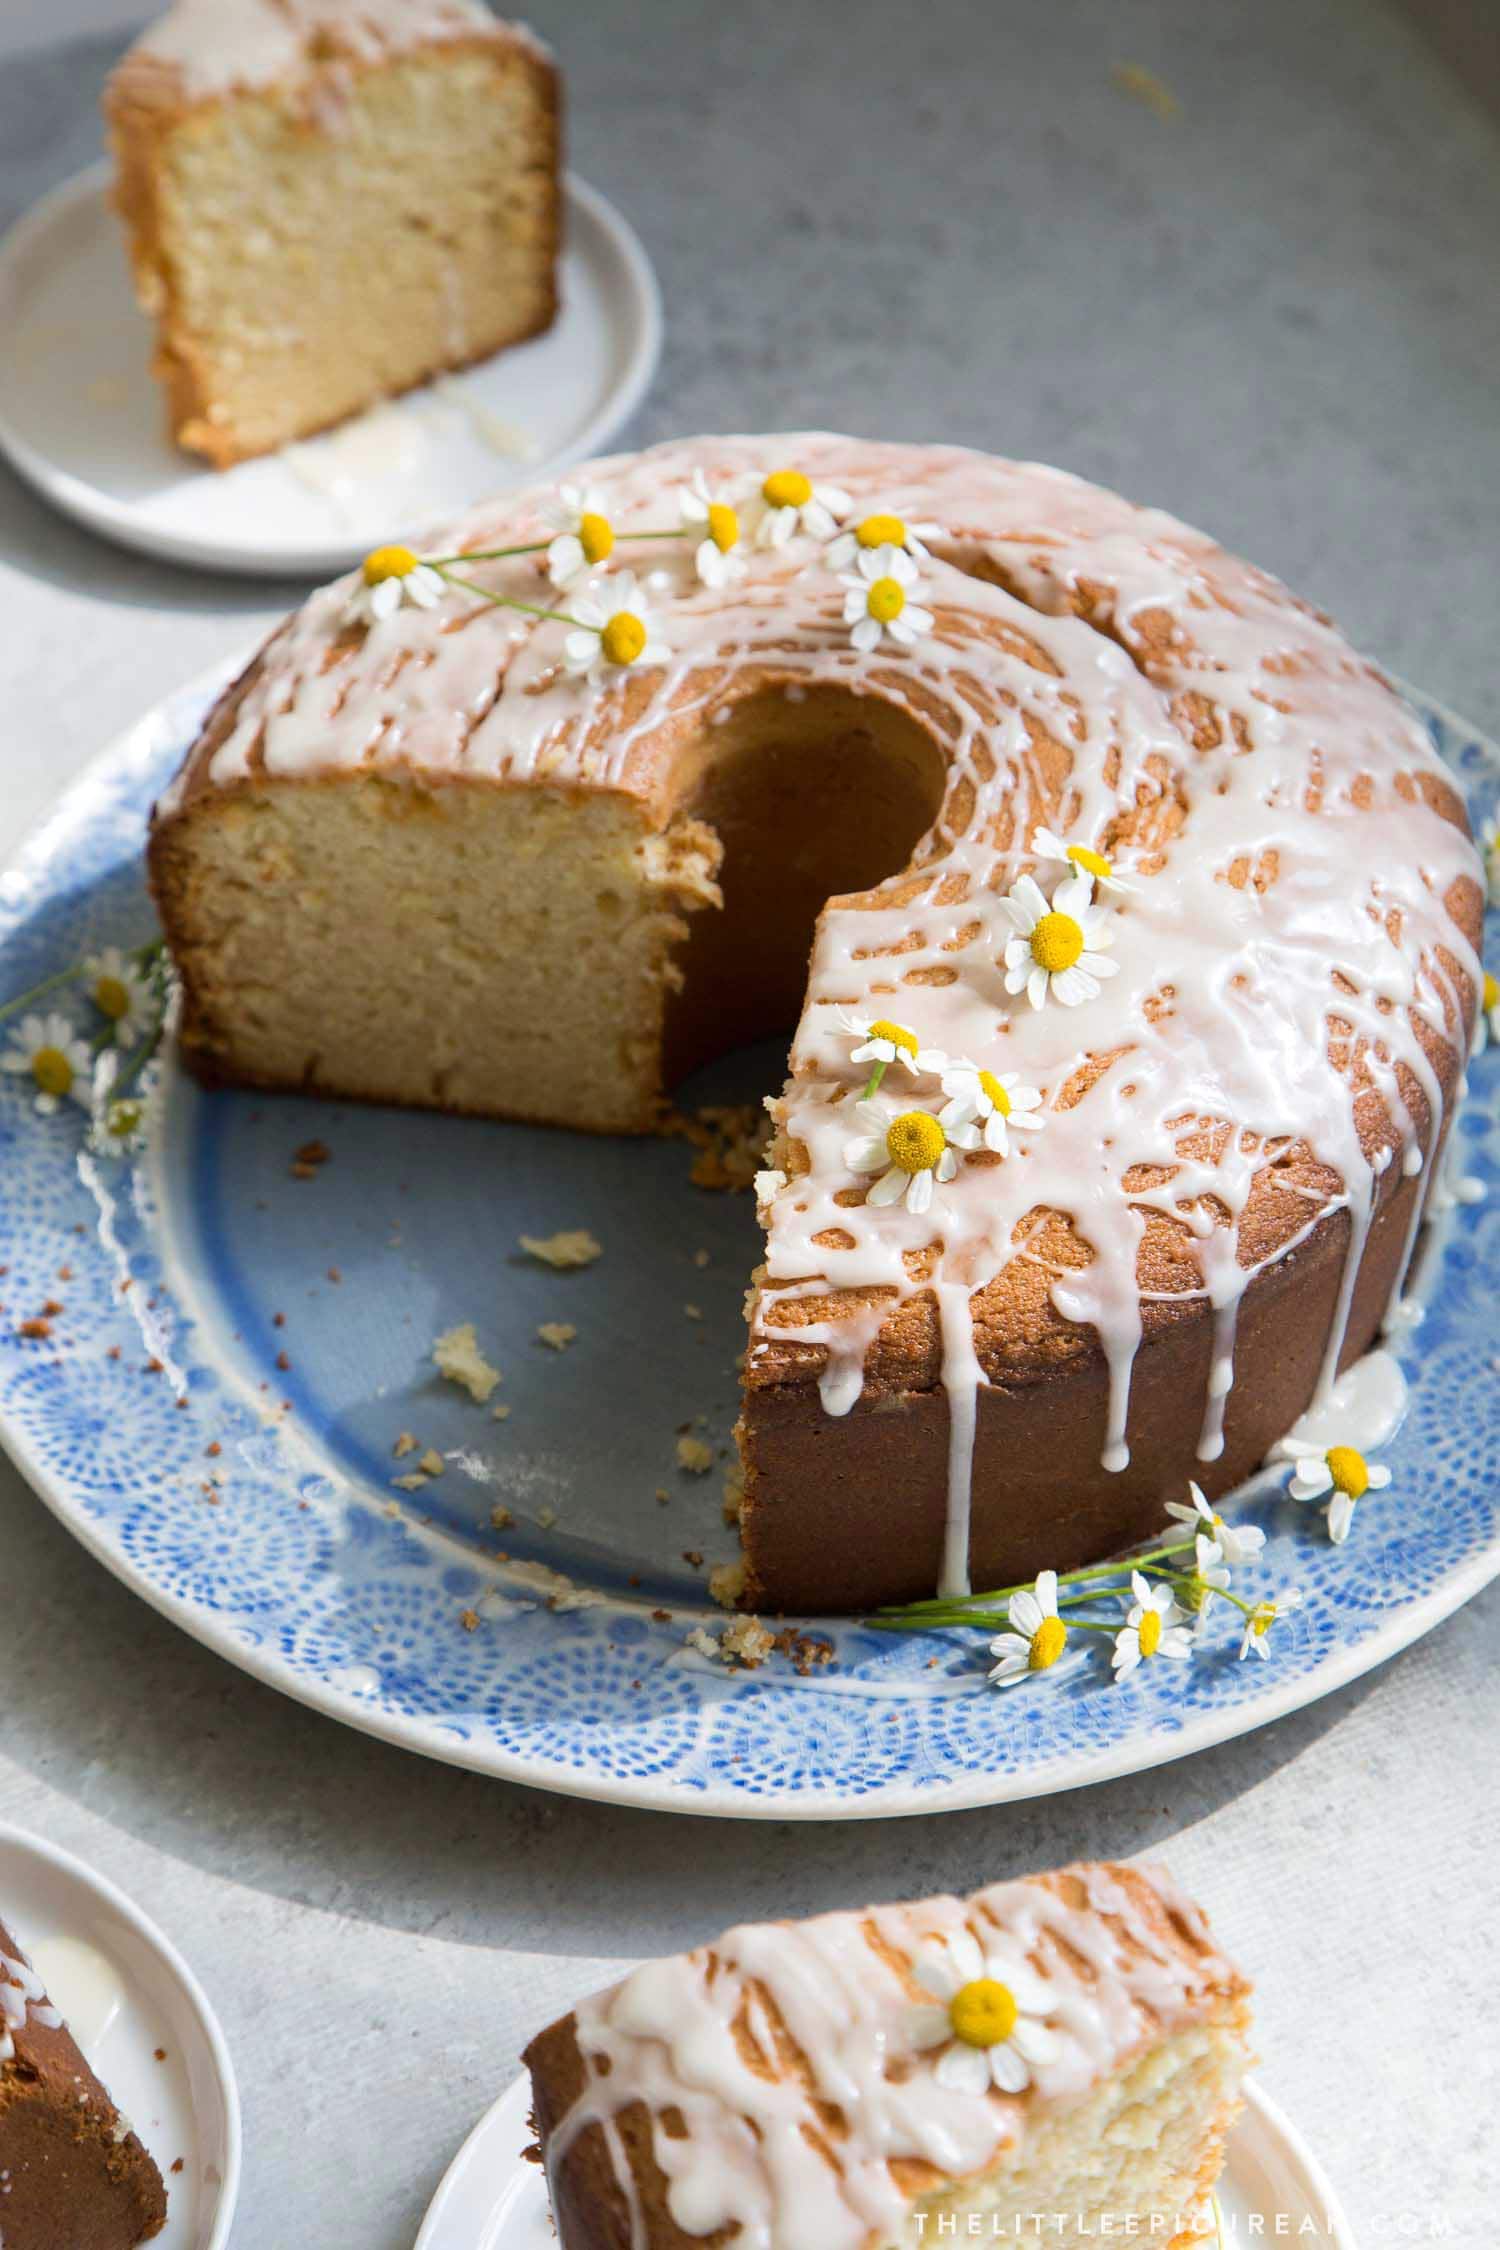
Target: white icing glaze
1364, 1408
1230, 997
21, 1992
211, 45
705, 2036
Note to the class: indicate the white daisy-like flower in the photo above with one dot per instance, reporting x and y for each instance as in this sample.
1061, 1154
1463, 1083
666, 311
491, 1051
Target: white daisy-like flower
788, 501
870, 534
613, 630
1035, 1635
1257, 1633
989, 2016
719, 557
984, 1105
1489, 845
120, 992
389, 577
907, 1147
1154, 1627
120, 1127
878, 604
1048, 845
1339, 1469
1059, 947
585, 537
1236, 1544
1489, 1013
878, 1040
1210, 1576
48, 1050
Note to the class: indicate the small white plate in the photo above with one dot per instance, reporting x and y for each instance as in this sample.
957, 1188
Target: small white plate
1273, 2187
124, 1992
82, 418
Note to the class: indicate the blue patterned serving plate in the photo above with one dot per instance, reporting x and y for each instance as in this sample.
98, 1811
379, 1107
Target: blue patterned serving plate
216, 1410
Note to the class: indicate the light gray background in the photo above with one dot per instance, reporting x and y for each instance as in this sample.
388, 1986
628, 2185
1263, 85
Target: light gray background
1278, 315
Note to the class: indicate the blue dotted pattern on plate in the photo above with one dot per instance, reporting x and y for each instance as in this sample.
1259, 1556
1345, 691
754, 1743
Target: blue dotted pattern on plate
307, 1571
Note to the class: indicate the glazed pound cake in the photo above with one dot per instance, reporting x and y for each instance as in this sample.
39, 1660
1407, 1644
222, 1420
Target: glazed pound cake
328, 201
1056, 2059
1127, 918
74, 2176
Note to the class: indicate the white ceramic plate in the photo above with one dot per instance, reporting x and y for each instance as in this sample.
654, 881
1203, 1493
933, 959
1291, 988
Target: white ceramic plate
125, 1992
81, 416
491, 2198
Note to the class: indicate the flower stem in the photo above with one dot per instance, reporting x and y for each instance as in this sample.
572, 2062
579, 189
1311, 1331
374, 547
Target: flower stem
872, 1084
507, 601
39, 991
1086, 1573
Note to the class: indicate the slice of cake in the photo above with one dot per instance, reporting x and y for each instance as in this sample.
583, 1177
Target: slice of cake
1070, 2045
328, 201
72, 2174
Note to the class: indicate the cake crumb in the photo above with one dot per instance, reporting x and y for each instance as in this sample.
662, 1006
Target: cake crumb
36, 1330
176, 2164
694, 1456
663, 1497
747, 1642
556, 1334
458, 1359
730, 1141
404, 1444
412, 1483
158, 2054
727, 1583
571, 1246
694, 1312
469, 1619
546, 1518
309, 1160
501, 1518
499, 1413
700, 1258
704, 1643
432, 1462
1145, 86
734, 1491
693, 1557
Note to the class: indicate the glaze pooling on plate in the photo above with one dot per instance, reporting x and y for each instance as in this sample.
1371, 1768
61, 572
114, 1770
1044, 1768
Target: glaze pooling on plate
1291, 987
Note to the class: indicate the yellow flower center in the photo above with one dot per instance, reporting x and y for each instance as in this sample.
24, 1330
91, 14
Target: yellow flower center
388, 562
52, 1070
915, 1141
123, 1119
1047, 1643
881, 531
1491, 991
896, 1033
623, 638
983, 2013
786, 488
596, 536
886, 600
1262, 1618
1348, 1471
111, 998
1092, 863
723, 526
1148, 1632
990, 1085
1056, 943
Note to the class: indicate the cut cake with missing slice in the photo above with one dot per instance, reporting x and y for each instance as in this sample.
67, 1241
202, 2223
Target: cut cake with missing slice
328, 203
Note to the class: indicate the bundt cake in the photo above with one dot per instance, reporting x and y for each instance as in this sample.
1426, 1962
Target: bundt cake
1142, 915
328, 201
1055, 2059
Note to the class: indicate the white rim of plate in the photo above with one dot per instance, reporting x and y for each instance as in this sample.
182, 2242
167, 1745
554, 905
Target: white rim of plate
1144, 1753
62, 488
474, 2219
178, 1971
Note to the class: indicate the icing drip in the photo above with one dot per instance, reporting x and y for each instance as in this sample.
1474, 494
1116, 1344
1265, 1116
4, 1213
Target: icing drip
785, 2056
1288, 972
21, 1990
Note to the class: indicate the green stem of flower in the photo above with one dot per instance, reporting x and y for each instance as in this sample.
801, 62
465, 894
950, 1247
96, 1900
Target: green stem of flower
39, 991
1087, 1572
872, 1083
538, 547
507, 601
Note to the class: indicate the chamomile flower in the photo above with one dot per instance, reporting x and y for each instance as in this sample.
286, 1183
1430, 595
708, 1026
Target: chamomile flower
390, 577
1035, 1635
1341, 1470
869, 535
119, 992
1489, 846
1154, 1627
984, 1105
719, 557
1047, 845
879, 1040
1209, 1576
1489, 1013
1058, 948
1236, 1543
909, 1150
788, 501
989, 2016
120, 1127
48, 1051
878, 604
585, 537
1257, 1633
613, 630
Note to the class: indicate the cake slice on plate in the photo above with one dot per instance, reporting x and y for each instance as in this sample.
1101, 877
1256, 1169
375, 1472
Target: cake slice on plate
328, 202
73, 2176
1070, 2045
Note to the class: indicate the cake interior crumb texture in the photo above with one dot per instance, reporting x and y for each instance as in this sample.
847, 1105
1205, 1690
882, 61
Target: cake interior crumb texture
310, 247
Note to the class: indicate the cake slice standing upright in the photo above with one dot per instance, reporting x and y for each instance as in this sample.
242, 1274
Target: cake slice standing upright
329, 202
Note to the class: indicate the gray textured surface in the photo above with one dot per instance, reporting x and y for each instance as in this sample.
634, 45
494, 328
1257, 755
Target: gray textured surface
1277, 315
